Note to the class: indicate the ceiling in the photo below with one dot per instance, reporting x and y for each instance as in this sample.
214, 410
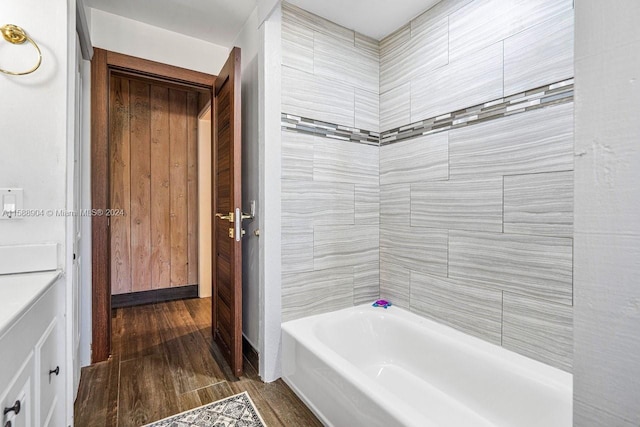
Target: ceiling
220, 21
373, 18
216, 21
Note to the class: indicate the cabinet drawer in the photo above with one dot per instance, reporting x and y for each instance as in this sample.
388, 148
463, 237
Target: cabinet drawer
21, 390
48, 360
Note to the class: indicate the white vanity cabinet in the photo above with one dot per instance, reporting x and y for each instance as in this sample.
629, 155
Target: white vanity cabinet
32, 387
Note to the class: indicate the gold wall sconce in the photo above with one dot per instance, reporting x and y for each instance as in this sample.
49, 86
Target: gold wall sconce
16, 35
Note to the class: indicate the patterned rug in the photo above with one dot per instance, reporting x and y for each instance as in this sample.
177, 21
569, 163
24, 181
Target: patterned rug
234, 411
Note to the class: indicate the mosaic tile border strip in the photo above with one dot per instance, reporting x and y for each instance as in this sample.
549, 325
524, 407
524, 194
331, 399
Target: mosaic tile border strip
544, 96
328, 130
556, 93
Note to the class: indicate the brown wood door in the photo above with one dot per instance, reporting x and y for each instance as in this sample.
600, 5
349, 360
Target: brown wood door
153, 154
227, 224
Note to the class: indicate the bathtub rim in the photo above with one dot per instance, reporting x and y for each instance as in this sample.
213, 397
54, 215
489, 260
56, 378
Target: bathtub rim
559, 377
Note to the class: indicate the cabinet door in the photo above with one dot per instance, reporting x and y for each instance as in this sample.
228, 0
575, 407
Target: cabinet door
19, 394
50, 377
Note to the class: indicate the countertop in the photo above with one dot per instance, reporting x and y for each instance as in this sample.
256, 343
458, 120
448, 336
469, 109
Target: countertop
19, 291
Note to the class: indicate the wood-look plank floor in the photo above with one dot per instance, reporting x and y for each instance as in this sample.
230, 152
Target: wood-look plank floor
165, 362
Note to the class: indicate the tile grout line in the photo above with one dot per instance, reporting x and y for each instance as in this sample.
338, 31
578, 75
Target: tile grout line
537, 173
503, 204
503, 67
448, 250
501, 318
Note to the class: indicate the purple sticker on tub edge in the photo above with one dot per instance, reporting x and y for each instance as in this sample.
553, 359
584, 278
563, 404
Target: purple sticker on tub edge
382, 303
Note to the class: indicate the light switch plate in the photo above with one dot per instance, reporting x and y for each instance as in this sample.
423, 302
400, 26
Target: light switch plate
10, 203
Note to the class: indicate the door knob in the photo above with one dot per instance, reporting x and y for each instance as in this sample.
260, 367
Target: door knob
15, 408
54, 371
236, 232
229, 217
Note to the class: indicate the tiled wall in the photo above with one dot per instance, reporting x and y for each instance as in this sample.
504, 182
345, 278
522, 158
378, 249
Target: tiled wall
462, 53
476, 222
464, 212
329, 73
330, 201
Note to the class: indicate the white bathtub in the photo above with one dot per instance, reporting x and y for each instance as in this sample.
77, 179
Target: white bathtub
366, 366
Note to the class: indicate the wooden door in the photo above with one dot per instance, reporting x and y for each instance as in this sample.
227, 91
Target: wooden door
153, 194
227, 226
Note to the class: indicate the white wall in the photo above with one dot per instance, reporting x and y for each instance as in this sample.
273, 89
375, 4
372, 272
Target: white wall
607, 206
265, 8
269, 207
204, 205
248, 41
87, 12
123, 35
37, 125
85, 247
33, 121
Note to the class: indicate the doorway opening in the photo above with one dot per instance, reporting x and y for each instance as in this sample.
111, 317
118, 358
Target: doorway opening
145, 174
119, 114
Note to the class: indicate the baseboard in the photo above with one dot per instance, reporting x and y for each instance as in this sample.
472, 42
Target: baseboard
154, 296
250, 354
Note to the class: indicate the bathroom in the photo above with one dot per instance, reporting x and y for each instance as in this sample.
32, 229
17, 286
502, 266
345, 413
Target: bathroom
468, 161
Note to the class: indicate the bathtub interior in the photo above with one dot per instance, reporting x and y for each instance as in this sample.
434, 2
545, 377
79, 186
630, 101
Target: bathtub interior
443, 373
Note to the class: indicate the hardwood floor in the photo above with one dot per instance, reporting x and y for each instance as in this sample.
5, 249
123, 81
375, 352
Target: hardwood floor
164, 362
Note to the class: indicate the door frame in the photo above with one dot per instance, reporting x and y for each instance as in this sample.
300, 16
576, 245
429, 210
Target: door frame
102, 64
